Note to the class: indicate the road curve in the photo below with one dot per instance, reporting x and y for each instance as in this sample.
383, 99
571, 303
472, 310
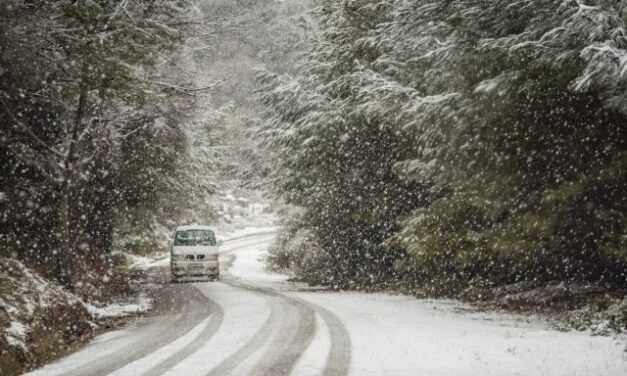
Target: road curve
206, 329
283, 338
256, 323
282, 356
294, 322
216, 319
177, 309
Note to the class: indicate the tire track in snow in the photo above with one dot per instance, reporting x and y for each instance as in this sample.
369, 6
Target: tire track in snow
217, 317
293, 336
257, 341
281, 356
291, 341
155, 335
339, 357
285, 348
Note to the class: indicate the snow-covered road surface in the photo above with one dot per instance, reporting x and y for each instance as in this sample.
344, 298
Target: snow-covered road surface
257, 323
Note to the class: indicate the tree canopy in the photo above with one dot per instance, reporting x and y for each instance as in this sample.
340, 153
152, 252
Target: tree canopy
493, 133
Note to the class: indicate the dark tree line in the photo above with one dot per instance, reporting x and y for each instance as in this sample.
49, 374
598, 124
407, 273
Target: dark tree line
449, 144
90, 135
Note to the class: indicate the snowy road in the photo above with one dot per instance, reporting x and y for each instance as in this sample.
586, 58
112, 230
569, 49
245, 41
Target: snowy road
256, 323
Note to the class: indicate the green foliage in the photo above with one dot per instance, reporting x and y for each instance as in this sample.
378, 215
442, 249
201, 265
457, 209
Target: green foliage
296, 250
536, 135
337, 153
91, 138
492, 131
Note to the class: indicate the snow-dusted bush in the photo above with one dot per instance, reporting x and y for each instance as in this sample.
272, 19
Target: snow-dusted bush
41, 321
296, 252
600, 320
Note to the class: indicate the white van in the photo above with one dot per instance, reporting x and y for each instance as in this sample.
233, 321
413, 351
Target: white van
194, 254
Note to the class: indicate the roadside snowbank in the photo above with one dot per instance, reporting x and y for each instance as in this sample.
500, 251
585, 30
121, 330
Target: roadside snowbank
34, 317
39, 319
115, 310
23, 294
225, 233
137, 262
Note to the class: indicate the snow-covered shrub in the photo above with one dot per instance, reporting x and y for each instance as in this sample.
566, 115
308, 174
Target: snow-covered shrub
447, 249
600, 320
41, 321
296, 250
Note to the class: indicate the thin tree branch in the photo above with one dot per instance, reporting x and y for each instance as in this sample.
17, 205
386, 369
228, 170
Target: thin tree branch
28, 130
182, 89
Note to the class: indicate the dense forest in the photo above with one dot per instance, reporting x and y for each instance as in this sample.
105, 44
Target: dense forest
465, 149
433, 145
121, 118
444, 145
91, 136
119, 121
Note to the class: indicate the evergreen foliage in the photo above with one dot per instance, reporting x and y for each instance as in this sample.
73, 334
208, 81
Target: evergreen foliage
90, 135
493, 132
337, 152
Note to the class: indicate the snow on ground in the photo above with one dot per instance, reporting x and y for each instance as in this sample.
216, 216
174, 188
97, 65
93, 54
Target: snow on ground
142, 305
249, 264
399, 335
153, 359
316, 355
228, 233
402, 335
16, 335
389, 334
102, 346
244, 314
145, 262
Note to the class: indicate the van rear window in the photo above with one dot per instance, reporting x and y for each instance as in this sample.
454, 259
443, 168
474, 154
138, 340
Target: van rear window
194, 238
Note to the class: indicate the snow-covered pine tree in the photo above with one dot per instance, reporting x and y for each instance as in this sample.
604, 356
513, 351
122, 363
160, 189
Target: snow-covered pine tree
511, 113
335, 130
531, 157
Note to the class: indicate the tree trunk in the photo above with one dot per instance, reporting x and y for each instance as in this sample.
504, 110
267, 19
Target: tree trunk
64, 258
67, 260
